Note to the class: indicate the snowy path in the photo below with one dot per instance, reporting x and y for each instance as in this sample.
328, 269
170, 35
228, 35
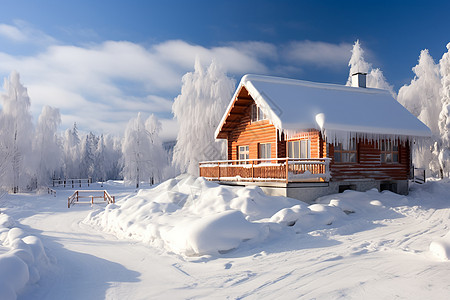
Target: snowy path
89, 264
377, 256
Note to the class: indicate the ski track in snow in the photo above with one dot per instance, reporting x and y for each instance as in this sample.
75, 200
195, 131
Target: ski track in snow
388, 257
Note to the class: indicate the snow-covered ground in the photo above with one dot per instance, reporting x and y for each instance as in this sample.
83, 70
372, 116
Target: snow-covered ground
188, 238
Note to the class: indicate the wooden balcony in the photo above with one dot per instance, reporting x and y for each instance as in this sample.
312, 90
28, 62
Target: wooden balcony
264, 170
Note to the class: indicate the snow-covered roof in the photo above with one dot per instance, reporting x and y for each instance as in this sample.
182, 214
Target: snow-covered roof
338, 111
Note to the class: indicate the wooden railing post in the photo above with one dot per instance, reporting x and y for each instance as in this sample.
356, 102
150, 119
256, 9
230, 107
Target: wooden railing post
218, 171
287, 170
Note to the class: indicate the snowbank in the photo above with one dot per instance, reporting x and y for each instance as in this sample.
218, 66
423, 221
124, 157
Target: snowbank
191, 216
441, 247
23, 262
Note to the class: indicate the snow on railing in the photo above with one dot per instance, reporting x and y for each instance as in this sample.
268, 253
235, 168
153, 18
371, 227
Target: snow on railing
264, 169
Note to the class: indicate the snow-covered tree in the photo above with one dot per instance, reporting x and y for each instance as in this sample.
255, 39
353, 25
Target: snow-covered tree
113, 155
422, 98
198, 110
159, 155
72, 152
100, 160
444, 116
87, 160
16, 134
142, 151
375, 77
47, 146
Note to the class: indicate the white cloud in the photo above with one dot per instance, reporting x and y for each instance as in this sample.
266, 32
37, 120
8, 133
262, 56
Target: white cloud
23, 32
318, 53
12, 33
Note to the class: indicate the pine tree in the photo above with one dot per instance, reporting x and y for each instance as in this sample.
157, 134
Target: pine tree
375, 77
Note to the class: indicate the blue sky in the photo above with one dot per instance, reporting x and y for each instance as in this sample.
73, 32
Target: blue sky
101, 62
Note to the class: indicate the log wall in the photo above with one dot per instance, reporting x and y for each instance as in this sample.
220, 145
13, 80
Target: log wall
369, 166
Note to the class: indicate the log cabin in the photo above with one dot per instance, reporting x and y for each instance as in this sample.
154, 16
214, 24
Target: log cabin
304, 140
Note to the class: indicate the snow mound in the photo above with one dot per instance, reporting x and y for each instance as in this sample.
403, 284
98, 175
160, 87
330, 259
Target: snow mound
191, 216
23, 263
441, 247
352, 201
219, 232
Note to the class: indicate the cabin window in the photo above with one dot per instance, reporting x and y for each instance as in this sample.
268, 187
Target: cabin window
299, 149
257, 113
264, 150
346, 152
243, 152
388, 152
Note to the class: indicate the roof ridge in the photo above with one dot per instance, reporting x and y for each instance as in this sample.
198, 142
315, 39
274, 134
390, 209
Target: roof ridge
319, 85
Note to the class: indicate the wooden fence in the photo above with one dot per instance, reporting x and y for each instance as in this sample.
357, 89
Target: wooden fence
72, 182
90, 194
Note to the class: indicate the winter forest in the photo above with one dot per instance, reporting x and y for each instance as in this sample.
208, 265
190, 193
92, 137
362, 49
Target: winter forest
31, 155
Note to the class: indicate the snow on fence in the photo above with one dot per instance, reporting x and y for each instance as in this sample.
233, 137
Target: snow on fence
72, 182
90, 194
297, 170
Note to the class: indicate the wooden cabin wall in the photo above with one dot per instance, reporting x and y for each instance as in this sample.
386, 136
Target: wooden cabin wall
369, 166
251, 134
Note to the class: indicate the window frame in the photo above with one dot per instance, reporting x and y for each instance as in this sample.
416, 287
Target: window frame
267, 150
245, 151
389, 149
346, 152
257, 114
295, 146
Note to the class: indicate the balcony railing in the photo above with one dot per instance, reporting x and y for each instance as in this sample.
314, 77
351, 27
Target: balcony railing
257, 170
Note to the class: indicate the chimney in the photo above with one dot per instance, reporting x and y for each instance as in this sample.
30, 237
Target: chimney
359, 80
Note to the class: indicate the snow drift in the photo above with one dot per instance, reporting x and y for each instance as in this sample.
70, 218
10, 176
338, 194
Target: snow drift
24, 260
191, 216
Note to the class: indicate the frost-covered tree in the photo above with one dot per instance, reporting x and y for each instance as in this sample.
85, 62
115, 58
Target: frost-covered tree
47, 146
72, 152
158, 154
142, 151
113, 155
444, 116
87, 160
422, 98
100, 160
16, 134
375, 77
198, 110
